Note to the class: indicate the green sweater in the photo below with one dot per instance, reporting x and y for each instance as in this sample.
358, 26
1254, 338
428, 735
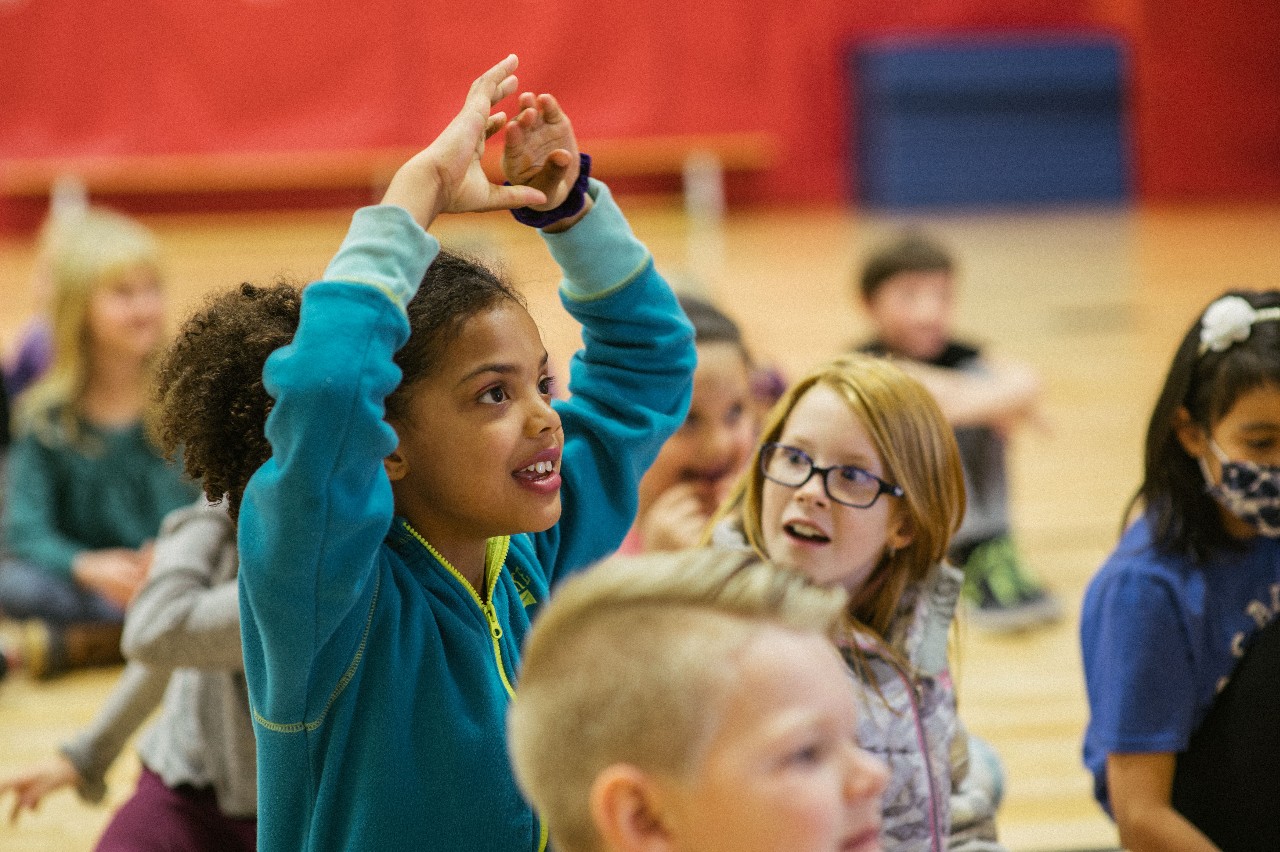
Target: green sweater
110, 489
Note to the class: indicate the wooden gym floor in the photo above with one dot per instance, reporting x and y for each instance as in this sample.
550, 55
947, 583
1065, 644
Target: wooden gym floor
1095, 299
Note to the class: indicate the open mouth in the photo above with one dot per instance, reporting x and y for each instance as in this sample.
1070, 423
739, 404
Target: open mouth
537, 471
805, 532
542, 474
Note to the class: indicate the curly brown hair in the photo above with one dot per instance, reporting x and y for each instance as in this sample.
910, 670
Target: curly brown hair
213, 405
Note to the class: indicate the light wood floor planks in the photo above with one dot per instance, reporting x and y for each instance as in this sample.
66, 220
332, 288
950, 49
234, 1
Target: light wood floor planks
1095, 299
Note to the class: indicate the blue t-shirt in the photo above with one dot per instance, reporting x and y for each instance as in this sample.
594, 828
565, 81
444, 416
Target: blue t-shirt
1160, 636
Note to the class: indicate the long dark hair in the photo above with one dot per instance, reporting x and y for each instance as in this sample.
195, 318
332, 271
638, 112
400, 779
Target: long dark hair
1184, 517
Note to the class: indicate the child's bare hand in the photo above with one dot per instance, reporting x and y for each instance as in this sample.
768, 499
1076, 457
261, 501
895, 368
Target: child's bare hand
676, 519
30, 787
541, 150
115, 573
446, 177
145, 555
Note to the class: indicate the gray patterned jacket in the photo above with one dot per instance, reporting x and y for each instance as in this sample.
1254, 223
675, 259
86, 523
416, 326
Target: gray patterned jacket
908, 719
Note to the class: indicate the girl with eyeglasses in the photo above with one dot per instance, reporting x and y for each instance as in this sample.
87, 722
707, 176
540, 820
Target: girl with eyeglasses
1178, 628
857, 483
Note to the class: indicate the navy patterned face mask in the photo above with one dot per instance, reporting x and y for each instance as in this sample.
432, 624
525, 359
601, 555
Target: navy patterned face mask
1248, 490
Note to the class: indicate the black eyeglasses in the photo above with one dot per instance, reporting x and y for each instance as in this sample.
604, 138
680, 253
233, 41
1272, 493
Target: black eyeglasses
852, 486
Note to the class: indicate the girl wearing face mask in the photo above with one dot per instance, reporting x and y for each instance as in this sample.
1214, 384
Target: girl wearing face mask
1181, 651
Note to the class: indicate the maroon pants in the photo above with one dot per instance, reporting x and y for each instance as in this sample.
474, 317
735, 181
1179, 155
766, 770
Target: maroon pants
182, 819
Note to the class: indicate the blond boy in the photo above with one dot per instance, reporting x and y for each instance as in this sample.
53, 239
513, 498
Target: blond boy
692, 702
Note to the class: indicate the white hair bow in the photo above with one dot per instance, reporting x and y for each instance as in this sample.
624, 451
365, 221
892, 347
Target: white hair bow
1229, 320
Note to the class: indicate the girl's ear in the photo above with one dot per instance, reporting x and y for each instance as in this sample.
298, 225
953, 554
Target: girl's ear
902, 530
626, 807
395, 465
1190, 434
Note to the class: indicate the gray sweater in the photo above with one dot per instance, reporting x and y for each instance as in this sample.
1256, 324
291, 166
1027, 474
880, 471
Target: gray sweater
182, 639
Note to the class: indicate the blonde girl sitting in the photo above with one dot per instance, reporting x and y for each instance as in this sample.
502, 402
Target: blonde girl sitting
86, 489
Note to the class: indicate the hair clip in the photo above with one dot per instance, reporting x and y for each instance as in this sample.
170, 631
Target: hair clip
1229, 320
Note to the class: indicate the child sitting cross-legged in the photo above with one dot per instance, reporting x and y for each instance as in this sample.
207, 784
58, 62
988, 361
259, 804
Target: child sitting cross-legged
691, 702
907, 290
407, 492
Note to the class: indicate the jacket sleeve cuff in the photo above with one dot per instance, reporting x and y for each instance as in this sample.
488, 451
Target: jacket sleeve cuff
384, 248
92, 786
599, 253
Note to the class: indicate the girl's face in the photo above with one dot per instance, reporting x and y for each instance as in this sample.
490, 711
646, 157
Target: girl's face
713, 446
480, 445
783, 770
125, 319
803, 527
1249, 431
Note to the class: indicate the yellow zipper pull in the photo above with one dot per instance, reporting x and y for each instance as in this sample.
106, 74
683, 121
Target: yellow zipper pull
491, 614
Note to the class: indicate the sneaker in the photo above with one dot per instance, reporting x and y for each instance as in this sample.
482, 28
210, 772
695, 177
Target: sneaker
1001, 595
49, 650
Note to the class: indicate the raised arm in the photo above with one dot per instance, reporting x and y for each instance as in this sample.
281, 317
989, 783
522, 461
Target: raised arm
630, 385
315, 514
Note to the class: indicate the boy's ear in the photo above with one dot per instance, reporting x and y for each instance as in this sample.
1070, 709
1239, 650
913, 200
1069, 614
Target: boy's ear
626, 807
1190, 433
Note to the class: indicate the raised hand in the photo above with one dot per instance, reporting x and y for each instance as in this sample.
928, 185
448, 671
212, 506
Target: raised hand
541, 150
446, 176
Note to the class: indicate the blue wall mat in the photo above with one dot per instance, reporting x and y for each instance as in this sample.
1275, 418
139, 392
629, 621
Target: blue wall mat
989, 121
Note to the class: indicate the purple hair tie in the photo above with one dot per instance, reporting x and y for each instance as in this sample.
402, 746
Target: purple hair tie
571, 205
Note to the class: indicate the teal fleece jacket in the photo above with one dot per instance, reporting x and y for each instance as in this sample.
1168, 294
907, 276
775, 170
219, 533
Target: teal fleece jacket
379, 680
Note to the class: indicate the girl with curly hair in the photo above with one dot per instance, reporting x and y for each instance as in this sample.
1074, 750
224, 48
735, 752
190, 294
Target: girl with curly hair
406, 492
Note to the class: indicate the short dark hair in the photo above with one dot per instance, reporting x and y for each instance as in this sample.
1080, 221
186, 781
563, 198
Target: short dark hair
710, 324
909, 251
213, 405
1184, 518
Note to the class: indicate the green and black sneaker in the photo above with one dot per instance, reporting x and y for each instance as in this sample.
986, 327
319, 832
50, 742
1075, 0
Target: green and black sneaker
1001, 595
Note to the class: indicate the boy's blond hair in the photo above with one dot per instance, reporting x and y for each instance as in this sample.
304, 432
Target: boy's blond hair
630, 662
